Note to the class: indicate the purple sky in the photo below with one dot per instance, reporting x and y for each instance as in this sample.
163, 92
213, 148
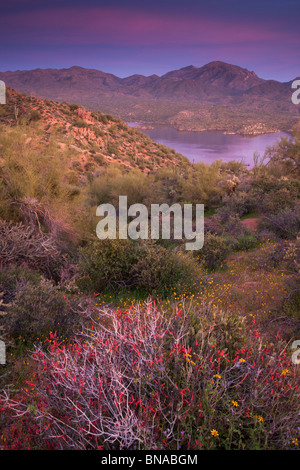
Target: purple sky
129, 36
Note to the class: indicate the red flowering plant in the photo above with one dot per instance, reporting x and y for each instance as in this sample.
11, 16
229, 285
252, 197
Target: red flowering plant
149, 377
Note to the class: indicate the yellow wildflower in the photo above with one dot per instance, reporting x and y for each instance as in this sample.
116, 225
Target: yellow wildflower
214, 433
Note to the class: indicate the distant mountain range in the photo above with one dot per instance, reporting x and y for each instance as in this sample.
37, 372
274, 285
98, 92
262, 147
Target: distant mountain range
217, 96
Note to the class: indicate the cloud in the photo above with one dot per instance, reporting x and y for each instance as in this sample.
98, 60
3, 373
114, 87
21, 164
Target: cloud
98, 25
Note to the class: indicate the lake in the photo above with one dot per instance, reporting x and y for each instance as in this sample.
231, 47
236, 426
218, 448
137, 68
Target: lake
209, 146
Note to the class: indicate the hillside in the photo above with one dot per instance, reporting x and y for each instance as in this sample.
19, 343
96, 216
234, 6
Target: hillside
242, 98
90, 139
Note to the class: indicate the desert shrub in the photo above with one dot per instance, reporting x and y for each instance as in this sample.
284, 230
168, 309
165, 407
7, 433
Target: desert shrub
202, 185
234, 167
284, 224
98, 132
285, 155
149, 378
292, 300
237, 204
224, 222
33, 184
74, 106
245, 242
78, 122
112, 149
112, 183
110, 117
40, 308
10, 277
108, 263
214, 251
100, 159
35, 115
161, 270
277, 201
273, 256
113, 264
23, 245
102, 118
291, 266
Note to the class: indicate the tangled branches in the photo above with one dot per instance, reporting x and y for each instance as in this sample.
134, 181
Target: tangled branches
153, 379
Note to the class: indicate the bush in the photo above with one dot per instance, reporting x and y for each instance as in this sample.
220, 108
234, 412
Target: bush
10, 277
38, 309
238, 204
78, 122
149, 378
160, 270
214, 252
74, 106
117, 264
35, 115
285, 224
291, 266
23, 245
245, 242
108, 263
112, 150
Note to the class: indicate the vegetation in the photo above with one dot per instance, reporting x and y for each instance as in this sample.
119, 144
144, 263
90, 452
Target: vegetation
122, 344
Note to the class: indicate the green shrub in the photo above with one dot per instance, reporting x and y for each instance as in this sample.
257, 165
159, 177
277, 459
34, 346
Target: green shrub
112, 149
162, 270
214, 252
80, 123
74, 106
238, 204
245, 242
38, 309
108, 263
10, 277
117, 264
100, 159
35, 115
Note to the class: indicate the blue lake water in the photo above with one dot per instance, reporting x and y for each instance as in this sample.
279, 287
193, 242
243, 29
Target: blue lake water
209, 146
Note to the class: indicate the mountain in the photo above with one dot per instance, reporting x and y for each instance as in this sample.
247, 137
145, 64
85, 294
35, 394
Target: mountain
155, 99
218, 74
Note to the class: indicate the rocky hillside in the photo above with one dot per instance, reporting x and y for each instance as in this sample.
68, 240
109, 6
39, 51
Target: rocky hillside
91, 139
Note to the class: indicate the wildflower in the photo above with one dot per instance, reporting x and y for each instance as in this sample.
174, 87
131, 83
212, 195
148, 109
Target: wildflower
285, 372
242, 360
260, 418
217, 376
235, 403
214, 433
295, 442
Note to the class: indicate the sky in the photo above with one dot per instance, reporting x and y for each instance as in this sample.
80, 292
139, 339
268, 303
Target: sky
127, 37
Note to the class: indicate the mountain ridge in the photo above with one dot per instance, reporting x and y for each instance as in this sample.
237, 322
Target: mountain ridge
160, 99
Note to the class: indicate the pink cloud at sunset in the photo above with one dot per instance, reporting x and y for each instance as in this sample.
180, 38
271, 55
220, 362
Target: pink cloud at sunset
111, 26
